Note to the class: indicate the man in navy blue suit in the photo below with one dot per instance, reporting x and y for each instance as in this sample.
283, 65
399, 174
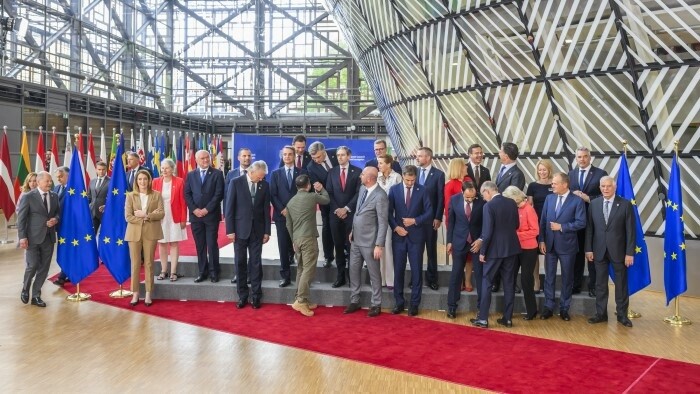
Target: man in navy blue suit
343, 185
322, 161
248, 226
464, 220
379, 151
301, 157
245, 157
409, 212
133, 165
499, 249
585, 183
563, 215
282, 189
509, 173
433, 180
204, 190
60, 190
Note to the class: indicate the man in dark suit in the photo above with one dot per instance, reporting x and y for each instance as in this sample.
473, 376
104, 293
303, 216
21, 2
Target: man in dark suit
37, 219
464, 220
204, 190
563, 214
433, 180
509, 174
245, 157
475, 170
343, 184
585, 183
132, 167
301, 158
323, 160
97, 194
379, 151
248, 225
282, 189
499, 249
610, 241
409, 212
60, 190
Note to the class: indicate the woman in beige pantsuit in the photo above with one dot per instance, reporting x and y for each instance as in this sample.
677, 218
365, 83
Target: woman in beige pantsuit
144, 211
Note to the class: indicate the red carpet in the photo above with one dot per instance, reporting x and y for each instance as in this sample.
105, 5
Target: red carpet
479, 358
187, 247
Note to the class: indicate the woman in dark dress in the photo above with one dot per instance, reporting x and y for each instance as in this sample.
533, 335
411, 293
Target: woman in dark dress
536, 193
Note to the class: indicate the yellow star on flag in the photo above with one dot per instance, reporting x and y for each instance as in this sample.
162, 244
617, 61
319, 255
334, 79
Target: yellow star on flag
673, 256
106, 240
682, 246
668, 203
120, 242
115, 191
75, 242
88, 237
675, 207
61, 240
71, 191
634, 202
637, 249
84, 193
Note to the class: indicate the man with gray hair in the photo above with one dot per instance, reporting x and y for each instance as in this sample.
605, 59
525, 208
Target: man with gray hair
133, 166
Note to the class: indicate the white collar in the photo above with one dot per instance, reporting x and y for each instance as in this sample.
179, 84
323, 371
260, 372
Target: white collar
586, 169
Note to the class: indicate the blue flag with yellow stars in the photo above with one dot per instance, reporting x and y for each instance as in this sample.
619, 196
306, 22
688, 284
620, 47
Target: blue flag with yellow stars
674, 238
114, 251
638, 275
77, 249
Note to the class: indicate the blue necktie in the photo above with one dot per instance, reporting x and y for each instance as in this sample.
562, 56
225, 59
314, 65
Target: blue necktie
556, 210
580, 179
203, 175
500, 173
289, 178
362, 200
422, 176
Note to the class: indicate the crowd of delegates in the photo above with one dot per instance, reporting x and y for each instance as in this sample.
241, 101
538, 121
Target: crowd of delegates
382, 217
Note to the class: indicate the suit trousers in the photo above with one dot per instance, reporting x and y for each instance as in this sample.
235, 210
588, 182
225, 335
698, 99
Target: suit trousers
38, 257
96, 222
580, 265
405, 250
147, 248
206, 235
242, 248
326, 233
284, 244
431, 274
307, 256
459, 260
478, 279
622, 298
358, 254
506, 267
341, 229
527, 259
550, 279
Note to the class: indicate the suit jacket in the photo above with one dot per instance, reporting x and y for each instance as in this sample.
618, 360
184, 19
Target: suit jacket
395, 165
617, 237
435, 189
591, 185
61, 193
280, 190
32, 217
484, 175
514, 176
317, 173
130, 185
499, 234
344, 198
98, 197
305, 160
571, 216
231, 175
205, 195
301, 213
459, 227
178, 207
420, 209
371, 218
243, 214
140, 229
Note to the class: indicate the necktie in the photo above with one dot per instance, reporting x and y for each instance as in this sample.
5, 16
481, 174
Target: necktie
342, 178
252, 191
245, 172
581, 177
606, 211
559, 201
203, 174
289, 178
476, 174
46, 202
500, 173
131, 177
362, 200
60, 190
99, 183
468, 210
408, 197
422, 176
326, 166
299, 161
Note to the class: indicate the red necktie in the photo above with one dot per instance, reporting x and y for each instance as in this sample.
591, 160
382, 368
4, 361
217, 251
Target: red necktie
299, 162
342, 178
408, 197
468, 210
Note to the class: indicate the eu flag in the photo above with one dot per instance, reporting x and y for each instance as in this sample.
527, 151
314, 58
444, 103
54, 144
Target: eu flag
77, 249
674, 239
114, 251
638, 275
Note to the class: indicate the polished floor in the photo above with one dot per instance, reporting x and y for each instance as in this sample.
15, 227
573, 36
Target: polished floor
89, 347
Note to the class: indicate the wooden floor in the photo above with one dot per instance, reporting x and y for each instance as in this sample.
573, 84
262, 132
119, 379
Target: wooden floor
89, 347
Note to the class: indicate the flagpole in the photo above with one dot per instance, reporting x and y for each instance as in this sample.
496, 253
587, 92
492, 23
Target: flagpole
630, 313
121, 293
7, 239
677, 320
78, 296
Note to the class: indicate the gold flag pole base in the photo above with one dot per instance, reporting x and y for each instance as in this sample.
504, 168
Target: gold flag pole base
633, 315
121, 293
677, 320
78, 296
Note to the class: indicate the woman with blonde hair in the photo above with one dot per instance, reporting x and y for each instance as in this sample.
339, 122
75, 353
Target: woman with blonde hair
456, 174
536, 193
386, 179
172, 190
29, 184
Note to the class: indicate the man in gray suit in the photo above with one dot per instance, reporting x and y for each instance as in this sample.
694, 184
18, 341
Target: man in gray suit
368, 236
98, 194
301, 225
36, 227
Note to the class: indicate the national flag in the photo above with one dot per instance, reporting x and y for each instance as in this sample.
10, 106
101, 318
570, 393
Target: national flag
156, 156
638, 275
68, 154
149, 152
219, 153
103, 147
181, 158
675, 279
79, 151
90, 168
7, 195
53, 165
189, 148
23, 168
77, 247
113, 152
114, 250
133, 142
40, 162
140, 150
173, 148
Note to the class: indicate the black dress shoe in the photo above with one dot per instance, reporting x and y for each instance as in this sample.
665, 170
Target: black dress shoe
433, 285
479, 323
353, 307
374, 311
413, 311
518, 290
565, 315
597, 319
235, 279
338, 283
328, 263
591, 293
530, 317
214, 279
495, 289
241, 304
59, 282
40, 303
546, 314
451, 314
285, 282
397, 309
24, 296
576, 290
624, 321
255, 304
502, 321
201, 278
